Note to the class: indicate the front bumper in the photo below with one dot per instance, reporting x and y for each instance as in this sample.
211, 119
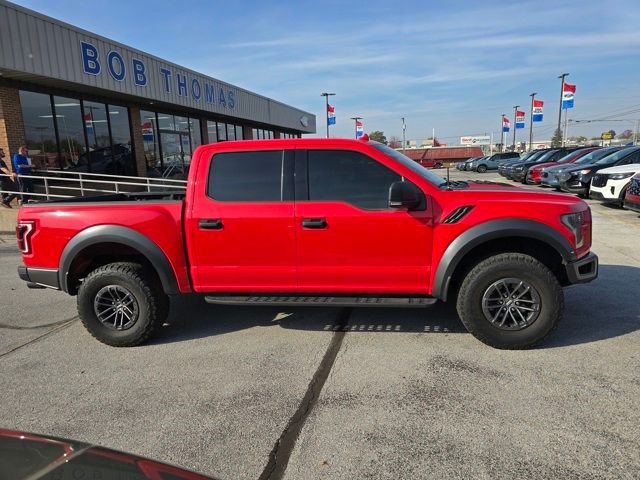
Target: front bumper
574, 186
39, 277
583, 270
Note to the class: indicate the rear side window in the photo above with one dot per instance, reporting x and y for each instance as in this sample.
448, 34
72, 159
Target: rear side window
246, 176
346, 176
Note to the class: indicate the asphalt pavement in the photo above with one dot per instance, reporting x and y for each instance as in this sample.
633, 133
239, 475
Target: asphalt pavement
306, 393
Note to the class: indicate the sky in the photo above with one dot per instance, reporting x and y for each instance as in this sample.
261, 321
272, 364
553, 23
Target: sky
452, 66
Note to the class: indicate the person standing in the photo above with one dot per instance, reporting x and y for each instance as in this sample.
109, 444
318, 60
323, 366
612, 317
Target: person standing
22, 166
7, 182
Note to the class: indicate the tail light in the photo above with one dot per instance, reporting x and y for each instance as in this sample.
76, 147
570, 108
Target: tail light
24, 231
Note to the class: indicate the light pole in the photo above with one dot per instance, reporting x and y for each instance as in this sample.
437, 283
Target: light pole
326, 108
561, 77
502, 134
355, 119
404, 129
533, 96
515, 125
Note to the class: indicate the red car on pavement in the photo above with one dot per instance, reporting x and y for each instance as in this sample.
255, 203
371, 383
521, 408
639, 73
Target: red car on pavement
534, 174
318, 222
632, 197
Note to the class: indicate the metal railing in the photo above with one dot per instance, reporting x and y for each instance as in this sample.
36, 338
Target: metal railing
82, 183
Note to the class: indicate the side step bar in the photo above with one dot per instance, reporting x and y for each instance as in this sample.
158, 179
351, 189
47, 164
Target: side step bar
321, 301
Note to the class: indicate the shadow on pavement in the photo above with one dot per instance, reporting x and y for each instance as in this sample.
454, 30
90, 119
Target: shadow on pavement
606, 308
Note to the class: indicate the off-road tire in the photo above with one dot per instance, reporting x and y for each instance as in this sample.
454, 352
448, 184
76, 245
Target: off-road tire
515, 265
481, 169
152, 302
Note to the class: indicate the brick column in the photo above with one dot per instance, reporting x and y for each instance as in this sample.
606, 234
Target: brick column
247, 132
137, 142
11, 123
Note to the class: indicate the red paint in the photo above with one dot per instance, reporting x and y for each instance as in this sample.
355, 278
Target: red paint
264, 247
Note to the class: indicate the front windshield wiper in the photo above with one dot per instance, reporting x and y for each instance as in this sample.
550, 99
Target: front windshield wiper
450, 184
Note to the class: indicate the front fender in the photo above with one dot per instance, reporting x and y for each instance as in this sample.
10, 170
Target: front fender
493, 230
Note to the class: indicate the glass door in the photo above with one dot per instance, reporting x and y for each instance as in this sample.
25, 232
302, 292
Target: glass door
172, 154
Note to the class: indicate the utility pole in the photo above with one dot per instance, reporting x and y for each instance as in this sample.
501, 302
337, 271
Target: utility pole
502, 134
561, 77
433, 137
635, 132
326, 108
533, 95
404, 129
515, 125
355, 119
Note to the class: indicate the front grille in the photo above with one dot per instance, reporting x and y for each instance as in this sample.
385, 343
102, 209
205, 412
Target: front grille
634, 186
545, 174
599, 180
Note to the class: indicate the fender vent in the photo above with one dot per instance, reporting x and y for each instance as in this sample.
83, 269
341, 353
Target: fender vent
458, 214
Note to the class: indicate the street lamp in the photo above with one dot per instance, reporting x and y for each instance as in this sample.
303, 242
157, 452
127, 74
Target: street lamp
515, 125
326, 108
355, 119
561, 77
404, 129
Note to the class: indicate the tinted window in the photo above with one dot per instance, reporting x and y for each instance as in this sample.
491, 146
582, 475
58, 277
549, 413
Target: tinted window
246, 176
350, 177
616, 157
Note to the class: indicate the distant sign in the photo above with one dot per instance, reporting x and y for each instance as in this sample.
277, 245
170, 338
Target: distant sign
478, 140
606, 136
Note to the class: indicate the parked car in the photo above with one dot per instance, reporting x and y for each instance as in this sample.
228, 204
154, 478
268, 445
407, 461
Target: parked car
578, 178
534, 174
317, 222
519, 172
632, 198
491, 162
461, 165
550, 176
466, 166
610, 185
503, 167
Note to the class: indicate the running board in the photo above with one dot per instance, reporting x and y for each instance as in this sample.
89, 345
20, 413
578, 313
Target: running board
318, 301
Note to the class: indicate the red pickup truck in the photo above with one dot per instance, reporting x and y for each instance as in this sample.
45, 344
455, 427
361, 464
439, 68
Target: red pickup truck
313, 222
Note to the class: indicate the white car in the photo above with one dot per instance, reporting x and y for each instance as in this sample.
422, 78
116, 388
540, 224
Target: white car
609, 185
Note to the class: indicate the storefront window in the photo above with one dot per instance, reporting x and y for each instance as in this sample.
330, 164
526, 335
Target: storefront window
165, 122
212, 131
254, 134
95, 121
39, 130
222, 132
239, 133
70, 131
150, 143
123, 163
231, 132
194, 129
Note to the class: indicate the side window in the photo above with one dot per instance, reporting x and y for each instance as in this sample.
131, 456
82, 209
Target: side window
350, 177
246, 176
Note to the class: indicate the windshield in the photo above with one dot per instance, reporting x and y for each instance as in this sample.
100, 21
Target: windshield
596, 155
616, 156
407, 162
530, 155
545, 156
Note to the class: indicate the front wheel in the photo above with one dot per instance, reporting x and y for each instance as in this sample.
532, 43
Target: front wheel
122, 304
510, 301
481, 168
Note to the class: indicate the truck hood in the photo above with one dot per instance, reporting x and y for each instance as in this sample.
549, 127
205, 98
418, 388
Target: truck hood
506, 193
633, 167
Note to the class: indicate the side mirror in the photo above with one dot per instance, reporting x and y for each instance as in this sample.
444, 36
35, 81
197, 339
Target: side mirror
406, 195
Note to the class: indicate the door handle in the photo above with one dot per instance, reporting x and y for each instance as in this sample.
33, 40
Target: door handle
210, 224
314, 223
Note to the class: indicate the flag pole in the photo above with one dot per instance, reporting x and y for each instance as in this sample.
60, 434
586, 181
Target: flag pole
502, 134
533, 95
326, 108
561, 77
355, 119
515, 125
564, 136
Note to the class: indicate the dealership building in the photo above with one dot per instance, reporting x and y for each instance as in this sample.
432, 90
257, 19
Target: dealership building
81, 102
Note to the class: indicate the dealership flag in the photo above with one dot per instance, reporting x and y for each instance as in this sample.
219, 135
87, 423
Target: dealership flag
537, 111
331, 115
568, 91
88, 121
147, 132
505, 124
519, 119
359, 128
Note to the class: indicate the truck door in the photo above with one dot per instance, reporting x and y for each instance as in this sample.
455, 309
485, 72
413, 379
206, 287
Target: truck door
349, 240
241, 235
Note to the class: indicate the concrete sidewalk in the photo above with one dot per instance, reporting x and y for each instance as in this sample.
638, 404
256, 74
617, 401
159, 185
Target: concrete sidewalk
8, 219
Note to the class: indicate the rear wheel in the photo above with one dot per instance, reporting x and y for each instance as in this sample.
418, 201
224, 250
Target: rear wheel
438, 165
122, 304
481, 168
510, 301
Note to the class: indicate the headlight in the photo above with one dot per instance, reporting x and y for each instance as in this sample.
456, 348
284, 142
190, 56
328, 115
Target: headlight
620, 176
573, 221
585, 171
